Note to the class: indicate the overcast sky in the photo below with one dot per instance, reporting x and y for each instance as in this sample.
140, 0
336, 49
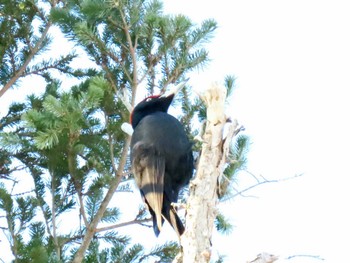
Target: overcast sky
292, 64
291, 60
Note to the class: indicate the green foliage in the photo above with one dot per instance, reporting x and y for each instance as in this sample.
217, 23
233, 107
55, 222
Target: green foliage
13, 116
6, 202
70, 119
132, 253
93, 202
123, 35
164, 253
238, 155
24, 27
49, 131
26, 209
221, 259
63, 116
123, 252
19, 216
229, 84
10, 141
222, 224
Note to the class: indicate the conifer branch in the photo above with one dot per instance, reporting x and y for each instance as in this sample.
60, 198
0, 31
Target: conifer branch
19, 73
77, 185
41, 206
148, 71
90, 231
111, 153
13, 238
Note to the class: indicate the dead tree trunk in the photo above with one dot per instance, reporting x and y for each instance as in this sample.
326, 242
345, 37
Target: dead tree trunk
203, 199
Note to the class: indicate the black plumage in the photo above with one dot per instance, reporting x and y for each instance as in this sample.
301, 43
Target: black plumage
161, 158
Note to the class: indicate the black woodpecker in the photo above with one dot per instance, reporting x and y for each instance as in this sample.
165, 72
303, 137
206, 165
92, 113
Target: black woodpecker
161, 158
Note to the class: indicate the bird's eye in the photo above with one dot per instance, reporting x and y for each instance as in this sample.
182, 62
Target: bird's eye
148, 99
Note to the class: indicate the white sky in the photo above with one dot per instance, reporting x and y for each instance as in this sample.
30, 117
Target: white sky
292, 61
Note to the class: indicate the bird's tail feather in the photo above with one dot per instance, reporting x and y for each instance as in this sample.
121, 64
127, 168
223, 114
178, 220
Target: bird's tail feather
153, 182
176, 222
149, 170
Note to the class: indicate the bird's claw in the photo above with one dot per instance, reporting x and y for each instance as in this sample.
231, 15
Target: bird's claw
178, 205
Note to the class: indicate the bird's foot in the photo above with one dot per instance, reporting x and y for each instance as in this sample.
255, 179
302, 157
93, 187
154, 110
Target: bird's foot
178, 205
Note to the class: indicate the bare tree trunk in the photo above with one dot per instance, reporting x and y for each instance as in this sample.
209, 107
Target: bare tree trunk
201, 205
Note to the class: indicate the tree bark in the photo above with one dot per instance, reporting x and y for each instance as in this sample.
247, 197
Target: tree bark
201, 205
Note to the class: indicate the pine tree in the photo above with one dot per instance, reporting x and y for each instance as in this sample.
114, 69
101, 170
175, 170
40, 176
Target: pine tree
70, 142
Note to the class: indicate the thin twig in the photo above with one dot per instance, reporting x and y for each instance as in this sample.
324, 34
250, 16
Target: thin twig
309, 256
265, 181
132, 49
24, 193
132, 222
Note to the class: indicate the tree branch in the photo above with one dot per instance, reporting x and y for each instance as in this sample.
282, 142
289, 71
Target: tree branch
24, 193
132, 49
261, 182
309, 256
77, 184
53, 208
90, 231
22, 69
132, 222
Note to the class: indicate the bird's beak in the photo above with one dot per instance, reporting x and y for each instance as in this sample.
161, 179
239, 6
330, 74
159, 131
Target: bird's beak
174, 89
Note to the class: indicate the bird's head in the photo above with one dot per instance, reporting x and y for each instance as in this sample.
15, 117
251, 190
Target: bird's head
153, 104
